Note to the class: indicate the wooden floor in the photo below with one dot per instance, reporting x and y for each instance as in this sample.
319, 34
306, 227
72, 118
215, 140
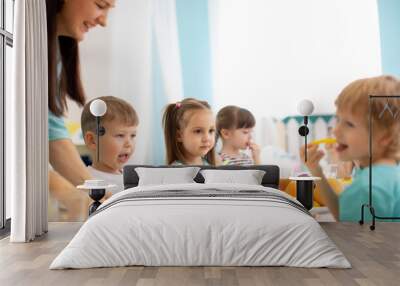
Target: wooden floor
375, 257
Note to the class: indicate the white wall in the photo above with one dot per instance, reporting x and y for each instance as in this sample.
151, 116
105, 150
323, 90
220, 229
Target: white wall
268, 54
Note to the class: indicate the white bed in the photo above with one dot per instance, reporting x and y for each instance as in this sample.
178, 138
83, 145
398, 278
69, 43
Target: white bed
222, 225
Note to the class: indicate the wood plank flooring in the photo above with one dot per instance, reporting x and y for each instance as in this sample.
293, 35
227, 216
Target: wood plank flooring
375, 257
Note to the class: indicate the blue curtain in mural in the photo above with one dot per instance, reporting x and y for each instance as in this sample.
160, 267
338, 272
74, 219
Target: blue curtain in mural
194, 42
195, 65
389, 21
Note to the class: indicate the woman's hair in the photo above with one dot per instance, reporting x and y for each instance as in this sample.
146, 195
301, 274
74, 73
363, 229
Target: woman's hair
234, 117
176, 117
117, 109
385, 112
70, 81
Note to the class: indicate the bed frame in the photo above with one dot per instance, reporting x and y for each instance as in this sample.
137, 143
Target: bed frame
270, 179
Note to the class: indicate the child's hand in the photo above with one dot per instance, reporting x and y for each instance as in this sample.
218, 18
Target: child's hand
313, 157
331, 153
255, 152
107, 195
330, 147
218, 161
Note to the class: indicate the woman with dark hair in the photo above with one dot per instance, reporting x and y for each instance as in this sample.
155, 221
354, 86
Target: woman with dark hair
67, 23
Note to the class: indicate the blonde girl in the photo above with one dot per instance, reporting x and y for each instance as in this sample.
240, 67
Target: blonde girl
189, 133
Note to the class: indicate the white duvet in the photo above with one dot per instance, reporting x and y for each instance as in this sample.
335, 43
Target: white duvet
183, 231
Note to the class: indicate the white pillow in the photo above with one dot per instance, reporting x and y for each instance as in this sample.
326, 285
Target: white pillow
166, 176
248, 177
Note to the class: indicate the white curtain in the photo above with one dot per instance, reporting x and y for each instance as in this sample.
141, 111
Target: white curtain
167, 42
26, 117
136, 32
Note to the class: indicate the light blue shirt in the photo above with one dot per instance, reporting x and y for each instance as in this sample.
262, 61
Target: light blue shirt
385, 194
57, 129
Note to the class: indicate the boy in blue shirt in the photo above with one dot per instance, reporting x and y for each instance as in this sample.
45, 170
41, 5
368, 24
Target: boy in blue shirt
352, 133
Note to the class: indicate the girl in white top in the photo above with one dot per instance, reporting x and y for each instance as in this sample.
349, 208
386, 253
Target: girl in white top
189, 132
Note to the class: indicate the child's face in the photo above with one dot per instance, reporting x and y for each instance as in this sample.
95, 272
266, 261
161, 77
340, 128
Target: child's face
198, 136
351, 133
116, 146
239, 138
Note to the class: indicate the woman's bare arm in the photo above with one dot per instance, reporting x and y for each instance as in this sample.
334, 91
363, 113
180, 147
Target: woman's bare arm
75, 201
65, 159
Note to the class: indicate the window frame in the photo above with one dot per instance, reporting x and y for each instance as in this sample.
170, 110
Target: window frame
6, 39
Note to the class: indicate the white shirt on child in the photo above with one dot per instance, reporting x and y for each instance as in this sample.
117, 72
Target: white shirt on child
110, 178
